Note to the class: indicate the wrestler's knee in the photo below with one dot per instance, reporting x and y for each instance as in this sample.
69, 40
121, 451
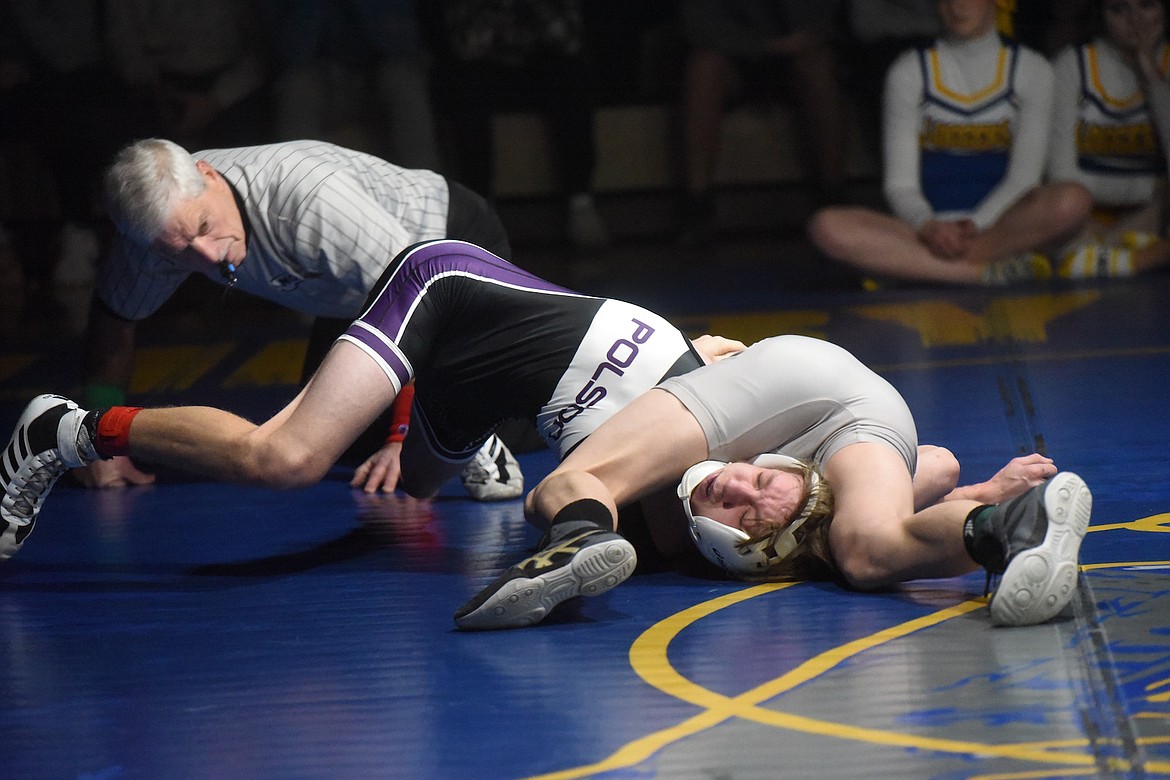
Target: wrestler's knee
936, 474
858, 554
274, 465
943, 460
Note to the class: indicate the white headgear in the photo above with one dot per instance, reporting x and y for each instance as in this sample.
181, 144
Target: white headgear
725, 546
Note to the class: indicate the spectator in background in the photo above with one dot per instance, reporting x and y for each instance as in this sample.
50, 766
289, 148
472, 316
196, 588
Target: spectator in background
965, 134
758, 47
356, 63
880, 30
1111, 130
57, 97
1049, 25
12, 288
496, 55
197, 64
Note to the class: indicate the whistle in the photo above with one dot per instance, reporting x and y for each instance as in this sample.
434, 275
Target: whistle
227, 270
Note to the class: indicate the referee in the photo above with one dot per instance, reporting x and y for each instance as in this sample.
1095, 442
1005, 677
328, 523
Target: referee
308, 225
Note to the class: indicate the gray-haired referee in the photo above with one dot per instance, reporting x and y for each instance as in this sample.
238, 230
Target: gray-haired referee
308, 225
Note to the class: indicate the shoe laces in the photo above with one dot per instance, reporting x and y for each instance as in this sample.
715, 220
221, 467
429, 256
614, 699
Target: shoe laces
36, 485
481, 467
987, 583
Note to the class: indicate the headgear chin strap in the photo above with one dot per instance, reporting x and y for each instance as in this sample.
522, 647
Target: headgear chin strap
727, 547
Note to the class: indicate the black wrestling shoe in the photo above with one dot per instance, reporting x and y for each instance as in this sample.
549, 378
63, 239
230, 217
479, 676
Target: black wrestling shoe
584, 563
1041, 533
32, 463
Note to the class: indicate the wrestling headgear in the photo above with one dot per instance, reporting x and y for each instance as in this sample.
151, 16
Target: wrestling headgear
727, 547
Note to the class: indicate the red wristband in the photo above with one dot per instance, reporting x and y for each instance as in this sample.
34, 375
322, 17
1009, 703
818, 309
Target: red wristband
400, 414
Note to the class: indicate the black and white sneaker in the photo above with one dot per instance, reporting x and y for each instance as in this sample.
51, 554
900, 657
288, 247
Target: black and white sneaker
42, 448
584, 563
1041, 533
493, 474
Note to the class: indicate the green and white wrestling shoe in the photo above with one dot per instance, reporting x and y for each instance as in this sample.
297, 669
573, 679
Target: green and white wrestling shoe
1032, 541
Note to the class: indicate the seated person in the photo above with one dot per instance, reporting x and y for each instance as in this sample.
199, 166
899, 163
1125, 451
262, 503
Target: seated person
965, 133
1111, 127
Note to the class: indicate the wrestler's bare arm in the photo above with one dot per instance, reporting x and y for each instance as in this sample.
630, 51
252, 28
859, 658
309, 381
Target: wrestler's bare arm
937, 478
1014, 479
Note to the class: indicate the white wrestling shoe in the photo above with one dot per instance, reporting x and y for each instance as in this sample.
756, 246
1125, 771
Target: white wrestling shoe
493, 474
1041, 532
42, 448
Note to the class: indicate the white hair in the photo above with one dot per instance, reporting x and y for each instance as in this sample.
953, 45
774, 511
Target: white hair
145, 182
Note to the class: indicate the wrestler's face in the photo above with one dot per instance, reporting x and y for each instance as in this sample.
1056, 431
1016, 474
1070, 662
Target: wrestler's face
754, 499
206, 229
1133, 24
966, 19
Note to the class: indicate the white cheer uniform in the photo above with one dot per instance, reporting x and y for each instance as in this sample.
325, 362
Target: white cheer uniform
965, 128
1103, 134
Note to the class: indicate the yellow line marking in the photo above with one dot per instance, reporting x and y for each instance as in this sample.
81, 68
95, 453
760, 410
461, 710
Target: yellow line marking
158, 369
648, 656
279, 363
1038, 773
1120, 565
1159, 523
649, 659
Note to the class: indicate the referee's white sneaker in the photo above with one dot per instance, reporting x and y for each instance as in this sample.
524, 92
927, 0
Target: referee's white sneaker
1041, 532
493, 474
42, 448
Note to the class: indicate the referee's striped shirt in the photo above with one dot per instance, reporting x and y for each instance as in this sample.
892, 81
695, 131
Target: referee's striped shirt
322, 224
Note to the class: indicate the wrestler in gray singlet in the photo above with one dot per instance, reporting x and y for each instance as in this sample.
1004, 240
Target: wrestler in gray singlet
796, 396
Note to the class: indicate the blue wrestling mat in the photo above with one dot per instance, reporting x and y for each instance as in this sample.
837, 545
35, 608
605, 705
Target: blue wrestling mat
195, 630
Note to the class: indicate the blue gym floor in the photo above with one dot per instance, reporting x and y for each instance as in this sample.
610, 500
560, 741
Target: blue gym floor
199, 630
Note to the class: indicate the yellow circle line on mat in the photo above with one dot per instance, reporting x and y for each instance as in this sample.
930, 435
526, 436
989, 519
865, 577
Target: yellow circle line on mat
648, 656
1153, 524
